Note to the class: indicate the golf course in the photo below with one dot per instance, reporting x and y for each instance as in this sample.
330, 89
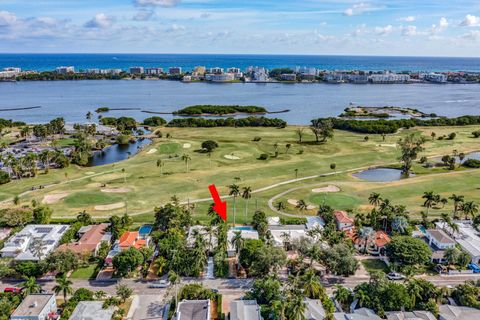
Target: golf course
272, 161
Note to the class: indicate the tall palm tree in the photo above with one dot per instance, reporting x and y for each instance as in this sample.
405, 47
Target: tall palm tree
234, 190
302, 205
186, 158
374, 199
362, 297
310, 283
469, 208
64, 285
237, 241
429, 197
246, 194
30, 286
457, 202
280, 205
46, 156
414, 290
342, 294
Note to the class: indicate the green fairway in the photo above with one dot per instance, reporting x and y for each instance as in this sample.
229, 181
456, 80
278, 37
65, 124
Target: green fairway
146, 182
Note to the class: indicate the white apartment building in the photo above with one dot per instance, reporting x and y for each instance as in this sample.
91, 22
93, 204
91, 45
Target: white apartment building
12, 69
433, 77
154, 71
34, 242
175, 70
216, 70
388, 77
224, 77
65, 70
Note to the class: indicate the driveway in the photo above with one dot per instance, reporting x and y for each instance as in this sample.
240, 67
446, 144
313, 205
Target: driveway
147, 307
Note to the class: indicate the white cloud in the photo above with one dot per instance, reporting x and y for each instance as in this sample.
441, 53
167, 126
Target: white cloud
100, 21
176, 27
383, 30
7, 18
357, 9
472, 35
157, 3
359, 30
143, 15
470, 21
442, 25
409, 31
408, 19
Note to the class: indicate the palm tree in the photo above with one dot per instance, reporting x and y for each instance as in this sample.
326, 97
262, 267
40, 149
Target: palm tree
46, 156
186, 158
235, 192
375, 199
429, 197
296, 174
362, 297
64, 285
302, 205
89, 116
469, 208
30, 286
100, 294
310, 283
287, 147
246, 194
160, 264
174, 280
457, 202
342, 294
237, 241
295, 309
414, 290
299, 133
280, 205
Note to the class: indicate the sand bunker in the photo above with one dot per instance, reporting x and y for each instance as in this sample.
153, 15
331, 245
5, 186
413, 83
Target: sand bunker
329, 188
294, 202
231, 157
54, 198
116, 190
392, 145
151, 151
112, 206
187, 145
90, 172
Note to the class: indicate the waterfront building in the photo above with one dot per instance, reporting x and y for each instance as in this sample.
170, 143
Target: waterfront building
233, 70
433, 77
216, 70
388, 77
137, 70
288, 77
223, 77
199, 71
154, 71
175, 71
65, 70
12, 69
34, 242
36, 307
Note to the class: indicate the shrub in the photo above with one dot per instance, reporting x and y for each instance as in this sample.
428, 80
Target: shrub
4, 177
154, 121
123, 139
257, 138
209, 145
263, 156
452, 136
476, 134
472, 163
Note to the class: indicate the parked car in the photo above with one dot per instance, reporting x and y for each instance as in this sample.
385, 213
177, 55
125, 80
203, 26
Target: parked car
12, 290
159, 284
395, 276
474, 267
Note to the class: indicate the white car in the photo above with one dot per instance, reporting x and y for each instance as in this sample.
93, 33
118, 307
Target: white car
159, 284
395, 276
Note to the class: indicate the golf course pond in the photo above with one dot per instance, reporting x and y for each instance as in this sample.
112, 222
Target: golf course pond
117, 152
381, 175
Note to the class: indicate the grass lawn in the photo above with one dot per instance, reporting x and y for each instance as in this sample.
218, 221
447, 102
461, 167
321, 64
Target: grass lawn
85, 273
148, 186
373, 265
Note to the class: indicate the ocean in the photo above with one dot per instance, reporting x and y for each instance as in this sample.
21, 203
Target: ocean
44, 62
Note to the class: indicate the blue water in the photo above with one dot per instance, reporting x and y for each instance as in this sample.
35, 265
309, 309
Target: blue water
145, 230
381, 175
245, 228
117, 153
188, 61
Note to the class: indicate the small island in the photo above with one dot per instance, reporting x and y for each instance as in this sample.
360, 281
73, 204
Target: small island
383, 112
219, 110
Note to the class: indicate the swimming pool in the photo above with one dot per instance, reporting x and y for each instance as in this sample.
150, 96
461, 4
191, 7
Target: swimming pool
145, 230
242, 228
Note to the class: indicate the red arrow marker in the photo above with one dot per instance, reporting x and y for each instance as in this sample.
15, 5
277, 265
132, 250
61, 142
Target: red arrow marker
220, 206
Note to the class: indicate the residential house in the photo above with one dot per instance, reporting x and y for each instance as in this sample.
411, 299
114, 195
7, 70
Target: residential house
439, 241
148, 307
344, 222
449, 312
314, 310
90, 239
466, 236
282, 234
246, 234
358, 314
130, 239
245, 310
208, 235
34, 242
414, 315
193, 310
91, 310
36, 307
373, 242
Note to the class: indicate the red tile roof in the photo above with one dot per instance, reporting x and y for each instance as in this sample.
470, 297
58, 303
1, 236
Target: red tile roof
381, 239
342, 217
128, 239
88, 242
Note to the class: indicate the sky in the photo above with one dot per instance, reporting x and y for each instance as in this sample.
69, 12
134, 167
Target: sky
317, 27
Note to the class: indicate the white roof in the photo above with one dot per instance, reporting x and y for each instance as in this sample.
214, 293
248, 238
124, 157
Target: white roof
20, 245
293, 232
313, 222
467, 237
246, 234
414, 315
314, 309
244, 310
448, 312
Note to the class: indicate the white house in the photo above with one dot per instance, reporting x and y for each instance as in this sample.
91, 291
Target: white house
36, 307
245, 233
466, 236
193, 310
440, 239
448, 312
314, 309
344, 222
245, 310
91, 310
34, 242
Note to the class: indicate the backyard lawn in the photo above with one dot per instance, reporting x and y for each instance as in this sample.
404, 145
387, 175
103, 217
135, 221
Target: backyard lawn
89, 272
374, 265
